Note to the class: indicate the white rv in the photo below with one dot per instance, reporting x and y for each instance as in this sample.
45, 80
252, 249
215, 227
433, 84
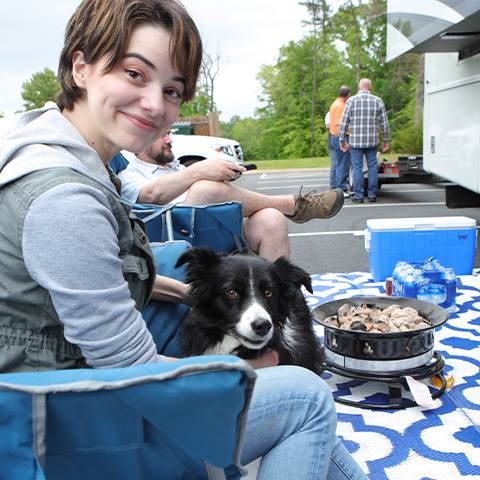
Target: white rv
448, 32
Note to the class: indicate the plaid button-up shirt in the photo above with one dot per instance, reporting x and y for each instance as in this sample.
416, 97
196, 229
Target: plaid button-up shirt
364, 113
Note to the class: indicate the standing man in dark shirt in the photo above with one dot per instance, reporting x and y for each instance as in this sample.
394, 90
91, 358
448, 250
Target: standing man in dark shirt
364, 114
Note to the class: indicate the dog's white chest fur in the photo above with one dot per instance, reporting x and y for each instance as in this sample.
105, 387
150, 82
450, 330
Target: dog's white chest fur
226, 346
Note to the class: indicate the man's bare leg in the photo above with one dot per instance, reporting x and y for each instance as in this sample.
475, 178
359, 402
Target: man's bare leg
266, 233
298, 208
206, 191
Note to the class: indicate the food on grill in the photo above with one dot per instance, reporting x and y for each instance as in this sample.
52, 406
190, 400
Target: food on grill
377, 320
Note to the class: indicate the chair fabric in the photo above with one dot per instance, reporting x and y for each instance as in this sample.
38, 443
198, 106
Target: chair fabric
218, 226
118, 163
164, 318
175, 420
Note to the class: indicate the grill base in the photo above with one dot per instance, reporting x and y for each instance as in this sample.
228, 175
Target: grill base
377, 366
396, 382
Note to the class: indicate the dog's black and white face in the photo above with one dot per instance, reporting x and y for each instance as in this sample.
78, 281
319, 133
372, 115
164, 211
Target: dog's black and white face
239, 300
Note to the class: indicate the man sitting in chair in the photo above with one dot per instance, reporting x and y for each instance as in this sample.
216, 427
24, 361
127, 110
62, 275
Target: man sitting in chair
265, 227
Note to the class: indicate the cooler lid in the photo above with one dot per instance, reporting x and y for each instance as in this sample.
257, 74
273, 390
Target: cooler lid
421, 223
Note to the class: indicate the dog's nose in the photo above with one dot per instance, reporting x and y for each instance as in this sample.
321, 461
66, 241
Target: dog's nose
261, 326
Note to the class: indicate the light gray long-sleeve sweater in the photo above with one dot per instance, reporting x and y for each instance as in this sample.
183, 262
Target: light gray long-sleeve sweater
70, 242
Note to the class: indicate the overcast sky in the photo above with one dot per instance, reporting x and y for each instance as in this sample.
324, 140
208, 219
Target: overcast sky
248, 34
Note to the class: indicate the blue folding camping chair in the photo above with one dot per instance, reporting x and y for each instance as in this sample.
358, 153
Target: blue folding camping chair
171, 420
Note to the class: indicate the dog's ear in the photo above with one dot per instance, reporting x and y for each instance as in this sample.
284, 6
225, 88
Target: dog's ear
292, 274
200, 261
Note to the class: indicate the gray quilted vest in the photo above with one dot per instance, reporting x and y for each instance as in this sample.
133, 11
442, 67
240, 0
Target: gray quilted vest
31, 335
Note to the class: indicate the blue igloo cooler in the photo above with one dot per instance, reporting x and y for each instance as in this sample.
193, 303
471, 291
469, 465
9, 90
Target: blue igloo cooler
452, 240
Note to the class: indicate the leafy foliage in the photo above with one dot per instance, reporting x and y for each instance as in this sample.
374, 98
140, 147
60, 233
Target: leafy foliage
349, 45
408, 134
197, 106
41, 88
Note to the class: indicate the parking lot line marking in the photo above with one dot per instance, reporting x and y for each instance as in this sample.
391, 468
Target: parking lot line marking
378, 204
356, 233
315, 185
326, 184
413, 190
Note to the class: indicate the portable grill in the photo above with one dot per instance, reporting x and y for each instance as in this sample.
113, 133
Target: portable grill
383, 357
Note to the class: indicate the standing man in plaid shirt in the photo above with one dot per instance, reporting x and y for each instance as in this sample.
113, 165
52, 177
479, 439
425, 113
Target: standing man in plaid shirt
364, 113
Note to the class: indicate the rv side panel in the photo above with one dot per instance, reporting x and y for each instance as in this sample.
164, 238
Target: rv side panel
451, 139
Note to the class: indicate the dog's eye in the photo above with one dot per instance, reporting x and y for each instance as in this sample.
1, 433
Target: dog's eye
231, 293
268, 292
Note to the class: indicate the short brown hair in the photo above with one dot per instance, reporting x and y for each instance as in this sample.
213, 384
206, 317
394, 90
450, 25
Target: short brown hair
344, 91
100, 27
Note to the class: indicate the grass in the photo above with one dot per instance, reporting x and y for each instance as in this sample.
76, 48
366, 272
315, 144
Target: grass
316, 162
285, 164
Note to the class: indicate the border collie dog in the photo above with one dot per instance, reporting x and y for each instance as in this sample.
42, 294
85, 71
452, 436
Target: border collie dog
245, 305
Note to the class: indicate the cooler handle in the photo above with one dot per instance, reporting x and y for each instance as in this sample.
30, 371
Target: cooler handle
424, 226
367, 240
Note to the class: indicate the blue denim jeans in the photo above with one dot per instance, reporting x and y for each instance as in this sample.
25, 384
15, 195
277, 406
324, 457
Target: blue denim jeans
341, 165
333, 161
357, 171
291, 426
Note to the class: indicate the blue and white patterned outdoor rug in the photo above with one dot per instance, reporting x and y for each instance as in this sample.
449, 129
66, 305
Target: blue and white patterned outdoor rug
419, 443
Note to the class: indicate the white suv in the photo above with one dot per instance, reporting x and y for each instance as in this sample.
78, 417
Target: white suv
192, 148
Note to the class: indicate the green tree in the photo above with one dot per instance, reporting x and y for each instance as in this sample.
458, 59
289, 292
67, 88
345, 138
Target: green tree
245, 131
319, 12
285, 107
42, 87
226, 127
197, 106
362, 28
408, 133
298, 89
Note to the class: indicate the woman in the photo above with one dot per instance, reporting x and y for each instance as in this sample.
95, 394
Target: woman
76, 269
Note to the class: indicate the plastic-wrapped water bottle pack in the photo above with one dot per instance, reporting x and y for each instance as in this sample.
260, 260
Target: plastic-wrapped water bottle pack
429, 281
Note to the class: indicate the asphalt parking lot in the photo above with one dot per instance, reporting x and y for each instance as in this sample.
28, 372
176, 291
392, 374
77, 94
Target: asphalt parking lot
338, 244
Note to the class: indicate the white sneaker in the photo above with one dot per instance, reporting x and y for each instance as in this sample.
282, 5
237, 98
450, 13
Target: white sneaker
346, 195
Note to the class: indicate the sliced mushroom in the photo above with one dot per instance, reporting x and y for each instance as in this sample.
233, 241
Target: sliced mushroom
358, 325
